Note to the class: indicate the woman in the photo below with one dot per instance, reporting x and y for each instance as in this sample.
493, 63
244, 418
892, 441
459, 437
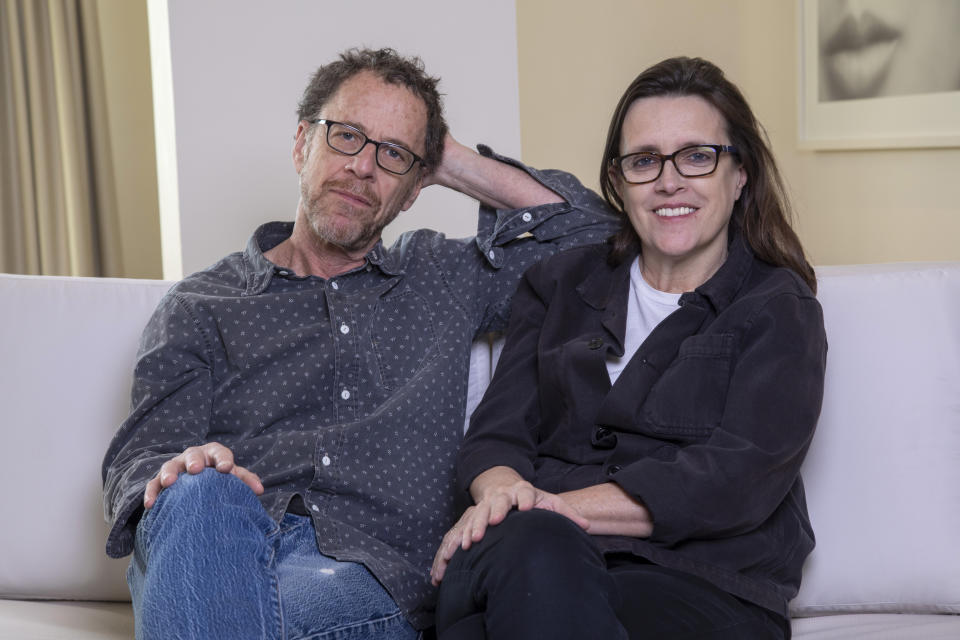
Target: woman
634, 465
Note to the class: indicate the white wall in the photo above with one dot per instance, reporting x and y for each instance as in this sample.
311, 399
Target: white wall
238, 68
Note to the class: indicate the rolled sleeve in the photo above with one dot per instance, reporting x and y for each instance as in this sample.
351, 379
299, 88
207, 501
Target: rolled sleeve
582, 218
510, 241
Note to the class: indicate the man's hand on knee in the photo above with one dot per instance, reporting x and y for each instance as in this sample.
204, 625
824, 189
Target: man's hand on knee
194, 460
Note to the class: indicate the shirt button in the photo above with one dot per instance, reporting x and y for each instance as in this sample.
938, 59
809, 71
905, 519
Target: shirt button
492, 255
344, 329
526, 217
335, 285
345, 394
325, 461
315, 508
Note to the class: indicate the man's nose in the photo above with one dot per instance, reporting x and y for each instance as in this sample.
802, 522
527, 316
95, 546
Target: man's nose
364, 163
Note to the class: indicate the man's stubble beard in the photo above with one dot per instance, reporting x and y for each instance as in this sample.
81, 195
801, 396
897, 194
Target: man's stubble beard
347, 227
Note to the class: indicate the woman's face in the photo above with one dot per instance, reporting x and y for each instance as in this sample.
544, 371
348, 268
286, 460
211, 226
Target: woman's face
681, 222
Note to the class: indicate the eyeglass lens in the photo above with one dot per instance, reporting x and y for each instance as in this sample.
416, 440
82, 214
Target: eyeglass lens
350, 141
690, 162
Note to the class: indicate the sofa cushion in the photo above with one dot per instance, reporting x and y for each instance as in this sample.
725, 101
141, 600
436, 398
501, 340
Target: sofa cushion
68, 348
877, 626
883, 473
31, 620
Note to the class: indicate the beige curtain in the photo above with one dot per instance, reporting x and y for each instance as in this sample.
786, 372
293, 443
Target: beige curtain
57, 199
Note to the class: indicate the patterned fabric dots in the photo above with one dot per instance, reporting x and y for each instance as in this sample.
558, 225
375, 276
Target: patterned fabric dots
350, 393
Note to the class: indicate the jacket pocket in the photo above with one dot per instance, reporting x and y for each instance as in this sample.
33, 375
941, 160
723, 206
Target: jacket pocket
688, 400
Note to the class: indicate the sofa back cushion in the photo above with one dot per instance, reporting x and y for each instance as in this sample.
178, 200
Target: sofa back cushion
883, 473
68, 347
67, 352
882, 476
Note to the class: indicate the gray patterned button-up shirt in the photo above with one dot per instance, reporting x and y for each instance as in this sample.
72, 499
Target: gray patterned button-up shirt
349, 392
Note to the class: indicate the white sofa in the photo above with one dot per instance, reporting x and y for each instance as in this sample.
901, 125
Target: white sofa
883, 475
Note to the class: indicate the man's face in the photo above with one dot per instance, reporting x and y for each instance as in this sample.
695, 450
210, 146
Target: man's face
348, 200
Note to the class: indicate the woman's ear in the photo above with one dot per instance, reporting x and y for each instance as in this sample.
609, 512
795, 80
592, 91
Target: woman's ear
741, 181
615, 180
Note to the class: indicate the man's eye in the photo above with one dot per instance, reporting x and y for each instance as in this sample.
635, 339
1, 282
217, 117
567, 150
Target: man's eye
393, 153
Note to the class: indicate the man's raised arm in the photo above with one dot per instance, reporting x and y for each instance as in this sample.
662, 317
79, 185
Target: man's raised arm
494, 183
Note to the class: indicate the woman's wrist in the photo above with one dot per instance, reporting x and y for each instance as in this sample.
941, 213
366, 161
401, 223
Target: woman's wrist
492, 480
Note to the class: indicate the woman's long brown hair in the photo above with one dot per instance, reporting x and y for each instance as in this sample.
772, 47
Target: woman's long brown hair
763, 211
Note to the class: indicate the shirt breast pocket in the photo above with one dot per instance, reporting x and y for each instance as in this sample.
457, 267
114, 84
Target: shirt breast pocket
404, 337
687, 402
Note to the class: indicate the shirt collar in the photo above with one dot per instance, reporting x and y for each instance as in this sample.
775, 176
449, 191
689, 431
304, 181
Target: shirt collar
604, 284
721, 289
389, 261
259, 271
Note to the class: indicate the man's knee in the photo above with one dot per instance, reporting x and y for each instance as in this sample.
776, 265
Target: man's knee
209, 488
209, 496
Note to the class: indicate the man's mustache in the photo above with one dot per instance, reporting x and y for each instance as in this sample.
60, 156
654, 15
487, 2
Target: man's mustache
355, 188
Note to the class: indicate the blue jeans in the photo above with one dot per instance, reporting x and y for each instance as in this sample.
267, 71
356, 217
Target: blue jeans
209, 562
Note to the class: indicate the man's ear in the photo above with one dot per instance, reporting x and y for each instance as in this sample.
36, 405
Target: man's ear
414, 192
300, 150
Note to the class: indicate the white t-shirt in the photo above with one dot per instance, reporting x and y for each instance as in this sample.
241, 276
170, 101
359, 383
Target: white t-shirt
646, 308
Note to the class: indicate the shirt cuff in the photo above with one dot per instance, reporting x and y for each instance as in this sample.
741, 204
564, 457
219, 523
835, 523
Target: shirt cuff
497, 227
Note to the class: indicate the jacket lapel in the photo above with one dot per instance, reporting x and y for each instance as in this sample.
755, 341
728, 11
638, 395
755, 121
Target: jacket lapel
622, 405
626, 397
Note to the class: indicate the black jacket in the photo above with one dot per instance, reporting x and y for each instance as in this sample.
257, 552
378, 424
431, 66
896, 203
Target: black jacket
707, 425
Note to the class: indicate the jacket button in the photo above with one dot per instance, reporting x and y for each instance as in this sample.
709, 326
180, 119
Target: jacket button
602, 433
595, 343
612, 469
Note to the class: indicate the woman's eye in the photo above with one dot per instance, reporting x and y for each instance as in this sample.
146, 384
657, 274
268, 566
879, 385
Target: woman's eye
642, 161
700, 157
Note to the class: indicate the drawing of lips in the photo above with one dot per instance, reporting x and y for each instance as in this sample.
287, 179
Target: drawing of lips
858, 55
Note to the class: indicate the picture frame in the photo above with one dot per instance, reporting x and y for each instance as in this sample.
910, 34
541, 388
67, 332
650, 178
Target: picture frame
895, 121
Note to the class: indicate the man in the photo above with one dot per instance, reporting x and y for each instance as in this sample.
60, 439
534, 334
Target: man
287, 466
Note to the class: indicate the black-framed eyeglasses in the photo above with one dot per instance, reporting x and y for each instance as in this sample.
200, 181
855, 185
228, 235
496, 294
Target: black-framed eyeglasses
351, 141
691, 162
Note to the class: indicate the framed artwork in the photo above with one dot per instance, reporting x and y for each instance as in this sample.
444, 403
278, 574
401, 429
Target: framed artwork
879, 74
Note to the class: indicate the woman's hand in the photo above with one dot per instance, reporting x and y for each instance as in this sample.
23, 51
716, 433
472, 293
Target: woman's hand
496, 491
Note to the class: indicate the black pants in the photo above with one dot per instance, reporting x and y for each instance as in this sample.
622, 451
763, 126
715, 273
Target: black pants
538, 575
